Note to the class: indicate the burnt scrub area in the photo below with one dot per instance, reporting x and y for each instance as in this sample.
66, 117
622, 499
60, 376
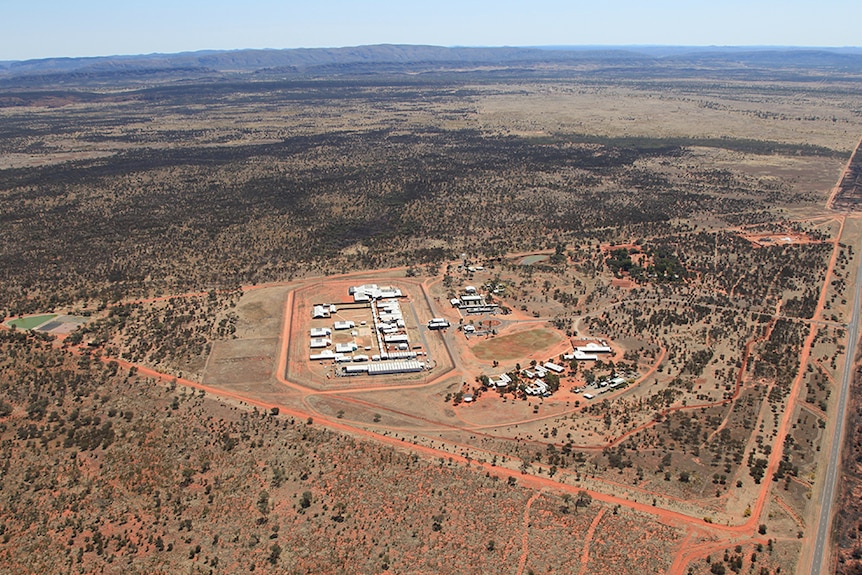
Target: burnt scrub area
192, 218
848, 519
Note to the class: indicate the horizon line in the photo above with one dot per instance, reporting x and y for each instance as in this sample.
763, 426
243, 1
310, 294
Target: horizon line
757, 47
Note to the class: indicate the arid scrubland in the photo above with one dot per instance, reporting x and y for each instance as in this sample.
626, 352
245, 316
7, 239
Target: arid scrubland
105, 471
679, 213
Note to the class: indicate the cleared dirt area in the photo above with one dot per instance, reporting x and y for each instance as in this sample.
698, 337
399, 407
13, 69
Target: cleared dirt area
248, 360
517, 345
787, 239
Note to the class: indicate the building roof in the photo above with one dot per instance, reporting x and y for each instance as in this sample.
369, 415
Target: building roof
396, 338
373, 291
320, 311
502, 381
593, 347
401, 355
554, 367
384, 367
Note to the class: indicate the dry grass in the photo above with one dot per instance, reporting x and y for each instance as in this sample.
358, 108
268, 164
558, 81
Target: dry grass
517, 345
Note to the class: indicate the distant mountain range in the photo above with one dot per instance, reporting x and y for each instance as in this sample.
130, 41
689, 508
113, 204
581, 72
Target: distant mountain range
412, 58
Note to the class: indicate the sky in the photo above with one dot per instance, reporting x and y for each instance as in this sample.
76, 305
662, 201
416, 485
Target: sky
32, 29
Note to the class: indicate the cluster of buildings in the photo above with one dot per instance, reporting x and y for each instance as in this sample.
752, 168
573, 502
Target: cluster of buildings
536, 373
588, 352
391, 330
603, 386
370, 292
471, 301
388, 328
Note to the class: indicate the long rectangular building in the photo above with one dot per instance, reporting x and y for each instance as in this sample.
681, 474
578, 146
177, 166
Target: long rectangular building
399, 355
388, 367
383, 368
593, 348
554, 367
396, 338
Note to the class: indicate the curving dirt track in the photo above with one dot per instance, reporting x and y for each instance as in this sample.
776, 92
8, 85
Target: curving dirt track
588, 538
525, 536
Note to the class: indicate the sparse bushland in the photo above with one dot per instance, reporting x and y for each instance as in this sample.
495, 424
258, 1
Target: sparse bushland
103, 470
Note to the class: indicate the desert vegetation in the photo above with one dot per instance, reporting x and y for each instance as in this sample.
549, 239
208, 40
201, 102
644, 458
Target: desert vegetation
679, 215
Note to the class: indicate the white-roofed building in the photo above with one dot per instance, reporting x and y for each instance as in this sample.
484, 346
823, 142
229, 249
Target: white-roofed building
368, 292
503, 381
438, 323
593, 347
383, 368
617, 381
538, 387
345, 347
554, 367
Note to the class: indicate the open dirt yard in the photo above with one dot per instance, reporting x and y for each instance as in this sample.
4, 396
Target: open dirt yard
517, 345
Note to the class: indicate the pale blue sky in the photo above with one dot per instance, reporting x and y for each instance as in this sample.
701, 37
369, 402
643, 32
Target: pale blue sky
55, 28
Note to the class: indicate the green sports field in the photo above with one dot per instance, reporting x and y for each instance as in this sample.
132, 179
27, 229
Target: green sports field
30, 322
